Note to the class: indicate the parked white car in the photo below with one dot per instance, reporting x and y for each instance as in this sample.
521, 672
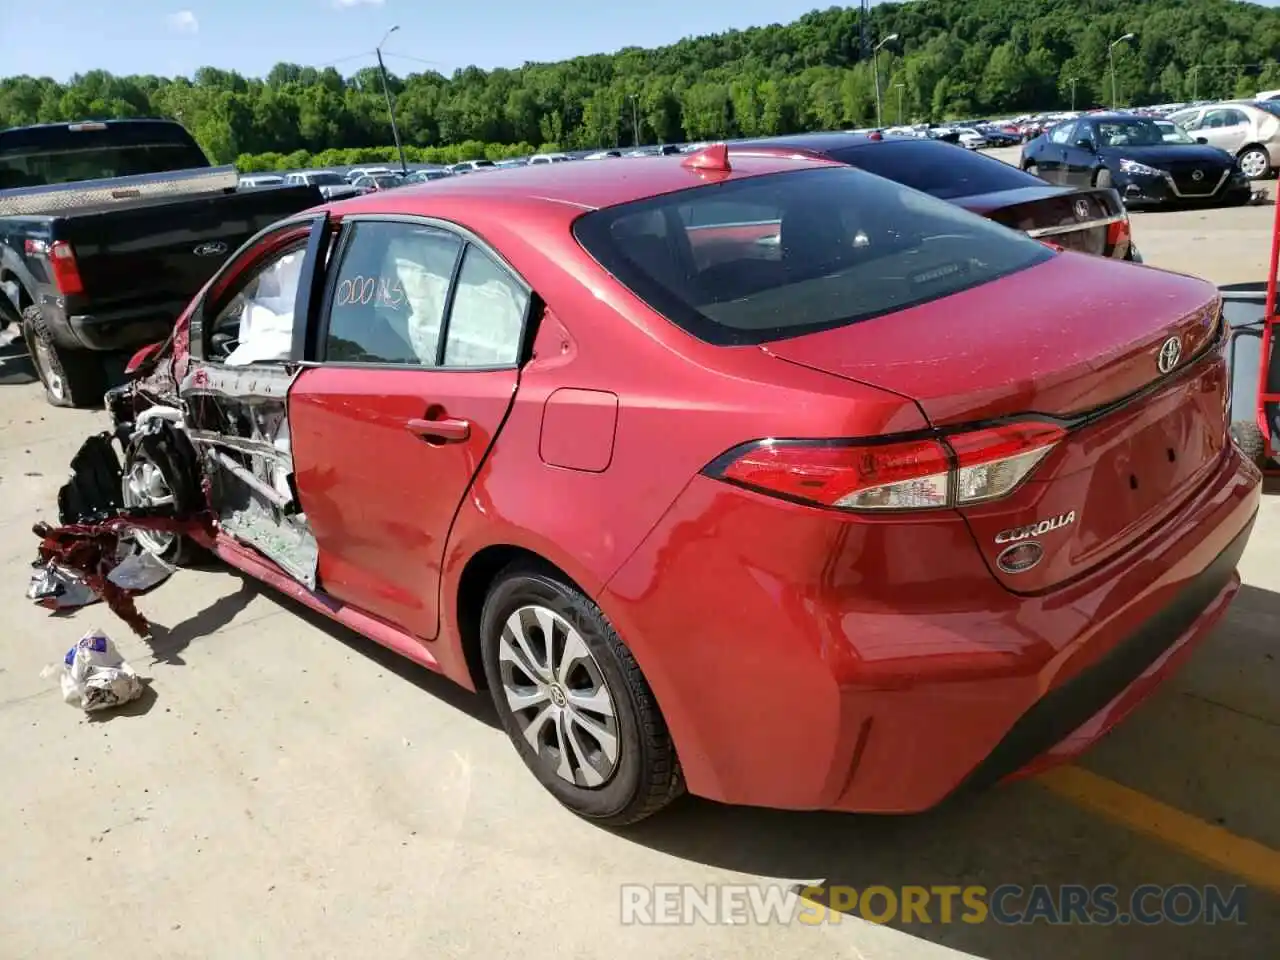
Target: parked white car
1249, 129
261, 180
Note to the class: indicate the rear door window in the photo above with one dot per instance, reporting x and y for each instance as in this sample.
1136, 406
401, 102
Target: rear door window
828, 247
390, 293
487, 314
1062, 133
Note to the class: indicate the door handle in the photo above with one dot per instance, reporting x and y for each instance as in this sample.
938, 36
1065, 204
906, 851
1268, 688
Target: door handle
446, 431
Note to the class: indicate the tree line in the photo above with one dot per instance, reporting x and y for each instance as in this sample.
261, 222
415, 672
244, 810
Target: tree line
952, 59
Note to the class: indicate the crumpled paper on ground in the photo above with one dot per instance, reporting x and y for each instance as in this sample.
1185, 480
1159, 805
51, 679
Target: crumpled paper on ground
57, 588
95, 677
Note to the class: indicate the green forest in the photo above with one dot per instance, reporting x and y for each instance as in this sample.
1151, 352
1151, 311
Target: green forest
952, 59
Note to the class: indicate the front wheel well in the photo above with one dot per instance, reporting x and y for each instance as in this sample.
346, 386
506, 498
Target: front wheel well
473, 587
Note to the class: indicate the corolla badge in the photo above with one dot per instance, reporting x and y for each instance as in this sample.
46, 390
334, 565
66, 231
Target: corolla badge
1169, 355
1082, 209
1037, 529
214, 248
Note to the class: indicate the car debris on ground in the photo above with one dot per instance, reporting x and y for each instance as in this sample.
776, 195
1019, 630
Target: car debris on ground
55, 587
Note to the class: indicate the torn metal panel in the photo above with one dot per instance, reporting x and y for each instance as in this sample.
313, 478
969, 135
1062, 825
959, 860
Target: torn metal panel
238, 420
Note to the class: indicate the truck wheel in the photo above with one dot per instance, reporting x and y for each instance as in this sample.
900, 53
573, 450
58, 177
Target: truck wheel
1249, 439
71, 378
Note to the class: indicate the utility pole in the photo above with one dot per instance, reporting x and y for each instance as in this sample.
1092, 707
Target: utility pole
875, 66
391, 107
635, 118
1111, 55
1195, 83
899, 86
1072, 81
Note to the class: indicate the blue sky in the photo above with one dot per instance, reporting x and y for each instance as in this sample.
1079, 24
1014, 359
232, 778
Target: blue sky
169, 37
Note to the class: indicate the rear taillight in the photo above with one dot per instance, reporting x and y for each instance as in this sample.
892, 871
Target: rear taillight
1119, 232
66, 275
955, 469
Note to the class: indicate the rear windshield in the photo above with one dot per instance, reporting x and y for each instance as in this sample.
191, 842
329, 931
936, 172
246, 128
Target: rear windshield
936, 168
776, 256
39, 156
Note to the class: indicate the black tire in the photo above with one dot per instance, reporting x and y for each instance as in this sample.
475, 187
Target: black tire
1252, 444
646, 773
71, 378
1258, 153
1103, 179
170, 451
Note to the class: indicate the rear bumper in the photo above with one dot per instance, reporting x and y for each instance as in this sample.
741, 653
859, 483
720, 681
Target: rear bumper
896, 671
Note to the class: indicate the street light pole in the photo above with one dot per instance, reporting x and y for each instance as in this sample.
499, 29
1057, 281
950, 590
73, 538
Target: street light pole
635, 118
1072, 81
899, 86
391, 107
1111, 54
875, 66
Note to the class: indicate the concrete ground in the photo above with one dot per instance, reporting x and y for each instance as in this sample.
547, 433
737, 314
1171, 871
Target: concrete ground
287, 789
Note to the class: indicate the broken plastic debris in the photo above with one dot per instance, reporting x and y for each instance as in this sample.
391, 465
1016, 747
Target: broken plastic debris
95, 677
57, 588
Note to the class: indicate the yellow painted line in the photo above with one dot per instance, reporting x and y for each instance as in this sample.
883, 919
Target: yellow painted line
1247, 859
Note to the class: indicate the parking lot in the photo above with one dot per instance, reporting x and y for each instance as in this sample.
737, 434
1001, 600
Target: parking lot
286, 788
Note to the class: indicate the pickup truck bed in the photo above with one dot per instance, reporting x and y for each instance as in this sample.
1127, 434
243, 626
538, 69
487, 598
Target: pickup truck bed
94, 266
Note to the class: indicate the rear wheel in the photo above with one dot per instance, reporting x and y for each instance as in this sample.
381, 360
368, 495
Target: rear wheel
1252, 444
1032, 169
71, 378
573, 701
1254, 163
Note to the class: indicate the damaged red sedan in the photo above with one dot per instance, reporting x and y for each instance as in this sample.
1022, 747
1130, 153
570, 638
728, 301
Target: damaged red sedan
751, 474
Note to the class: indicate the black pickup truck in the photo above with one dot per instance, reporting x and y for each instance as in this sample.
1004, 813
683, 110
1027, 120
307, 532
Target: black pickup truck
107, 230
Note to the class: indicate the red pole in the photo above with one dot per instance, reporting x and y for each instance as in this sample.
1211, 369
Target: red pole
1264, 366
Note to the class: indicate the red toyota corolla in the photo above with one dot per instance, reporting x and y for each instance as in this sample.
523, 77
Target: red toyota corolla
753, 474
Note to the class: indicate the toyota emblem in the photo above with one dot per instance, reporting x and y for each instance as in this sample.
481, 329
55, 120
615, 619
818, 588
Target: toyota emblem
1020, 558
1197, 175
1169, 355
1082, 209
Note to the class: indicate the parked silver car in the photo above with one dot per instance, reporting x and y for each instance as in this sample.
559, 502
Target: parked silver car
1250, 129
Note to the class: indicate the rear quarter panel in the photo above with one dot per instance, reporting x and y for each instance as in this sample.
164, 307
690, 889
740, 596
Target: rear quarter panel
681, 403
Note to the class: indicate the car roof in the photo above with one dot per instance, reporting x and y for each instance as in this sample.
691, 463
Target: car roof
585, 187
823, 142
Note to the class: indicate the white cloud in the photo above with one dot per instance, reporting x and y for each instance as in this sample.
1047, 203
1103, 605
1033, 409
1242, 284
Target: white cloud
184, 21
348, 4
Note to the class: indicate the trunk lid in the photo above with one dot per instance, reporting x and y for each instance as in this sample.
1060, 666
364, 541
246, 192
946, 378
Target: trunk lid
1076, 338
1079, 220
